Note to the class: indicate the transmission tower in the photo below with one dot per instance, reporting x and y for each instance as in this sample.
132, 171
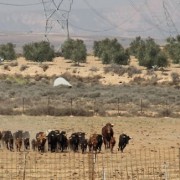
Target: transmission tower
170, 23
57, 12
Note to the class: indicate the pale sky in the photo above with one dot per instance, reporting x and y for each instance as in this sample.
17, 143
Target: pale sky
126, 18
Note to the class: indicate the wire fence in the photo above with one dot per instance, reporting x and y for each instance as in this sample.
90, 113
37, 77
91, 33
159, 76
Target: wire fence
144, 164
88, 107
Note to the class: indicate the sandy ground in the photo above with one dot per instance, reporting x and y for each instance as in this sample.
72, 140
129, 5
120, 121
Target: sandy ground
152, 153
91, 68
146, 132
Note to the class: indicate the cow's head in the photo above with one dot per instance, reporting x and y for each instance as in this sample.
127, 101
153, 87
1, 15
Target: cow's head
108, 128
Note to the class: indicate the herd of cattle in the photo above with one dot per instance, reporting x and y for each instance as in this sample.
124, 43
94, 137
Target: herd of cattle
58, 141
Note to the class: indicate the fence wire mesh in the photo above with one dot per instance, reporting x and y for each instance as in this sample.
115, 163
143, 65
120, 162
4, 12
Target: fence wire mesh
144, 164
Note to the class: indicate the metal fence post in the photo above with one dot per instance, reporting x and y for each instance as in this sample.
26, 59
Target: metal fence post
141, 105
94, 108
23, 104
24, 170
118, 107
71, 101
92, 161
179, 162
48, 103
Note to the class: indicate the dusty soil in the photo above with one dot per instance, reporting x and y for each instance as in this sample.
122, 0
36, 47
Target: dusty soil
151, 154
146, 132
92, 67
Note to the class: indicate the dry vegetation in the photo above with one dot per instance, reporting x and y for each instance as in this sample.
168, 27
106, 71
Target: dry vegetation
123, 96
108, 90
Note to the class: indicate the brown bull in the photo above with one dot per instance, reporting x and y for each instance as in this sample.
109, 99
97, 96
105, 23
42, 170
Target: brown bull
107, 133
95, 142
41, 141
18, 143
18, 139
112, 143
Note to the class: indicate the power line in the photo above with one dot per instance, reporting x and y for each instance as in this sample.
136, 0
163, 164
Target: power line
114, 26
100, 15
148, 21
155, 17
29, 4
169, 20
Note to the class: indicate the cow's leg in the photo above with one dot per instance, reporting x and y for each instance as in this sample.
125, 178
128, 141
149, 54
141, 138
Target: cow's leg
7, 145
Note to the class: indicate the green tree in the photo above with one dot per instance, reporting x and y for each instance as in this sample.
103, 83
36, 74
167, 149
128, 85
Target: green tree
148, 53
74, 50
7, 51
39, 51
67, 48
172, 48
79, 53
110, 51
135, 46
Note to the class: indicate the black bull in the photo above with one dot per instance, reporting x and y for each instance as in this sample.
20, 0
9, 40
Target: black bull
123, 141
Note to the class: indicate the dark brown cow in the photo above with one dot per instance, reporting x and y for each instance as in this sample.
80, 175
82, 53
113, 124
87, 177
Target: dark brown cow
34, 144
95, 142
7, 138
18, 139
41, 141
26, 139
18, 144
107, 133
112, 143
1, 139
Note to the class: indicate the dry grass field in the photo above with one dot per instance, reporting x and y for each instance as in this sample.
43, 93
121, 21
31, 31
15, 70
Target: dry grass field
153, 153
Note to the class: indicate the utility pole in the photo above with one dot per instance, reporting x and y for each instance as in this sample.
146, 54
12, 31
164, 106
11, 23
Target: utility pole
57, 11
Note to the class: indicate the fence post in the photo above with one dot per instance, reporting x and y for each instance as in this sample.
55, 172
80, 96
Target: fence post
94, 108
92, 161
167, 113
104, 174
24, 170
179, 162
118, 107
141, 105
71, 101
48, 103
23, 104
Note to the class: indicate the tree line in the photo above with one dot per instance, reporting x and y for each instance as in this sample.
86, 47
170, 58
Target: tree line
109, 51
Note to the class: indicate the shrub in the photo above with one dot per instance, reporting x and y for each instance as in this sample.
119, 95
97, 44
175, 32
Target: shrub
165, 113
23, 67
131, 70
175, 78
6, 67
111, 51
13, 64
172, 48
148, 53
44, 67
6, 110
38, 51
7, 51
74, 50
